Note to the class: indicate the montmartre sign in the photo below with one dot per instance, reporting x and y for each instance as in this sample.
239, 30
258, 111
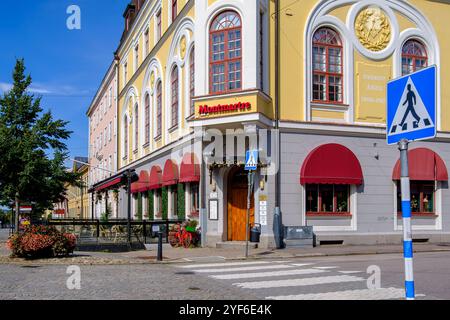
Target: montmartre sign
240, 106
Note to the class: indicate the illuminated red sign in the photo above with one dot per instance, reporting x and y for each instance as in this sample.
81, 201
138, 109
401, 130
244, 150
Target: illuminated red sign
240, 106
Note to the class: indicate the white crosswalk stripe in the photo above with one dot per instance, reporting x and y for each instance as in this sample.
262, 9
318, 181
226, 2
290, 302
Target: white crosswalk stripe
297, 282
281, 266
228, 264
281, 273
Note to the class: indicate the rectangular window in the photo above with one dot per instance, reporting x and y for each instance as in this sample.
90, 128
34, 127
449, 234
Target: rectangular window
125, 72
109, 131
174, 200
422, 197
110, 97
194, 199
158, 26
146, 45
327, 199
261, 51
158, 203
174, 10
136, 58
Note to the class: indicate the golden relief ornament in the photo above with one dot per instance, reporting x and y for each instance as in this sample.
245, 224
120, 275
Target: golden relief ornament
373, 29
183, 47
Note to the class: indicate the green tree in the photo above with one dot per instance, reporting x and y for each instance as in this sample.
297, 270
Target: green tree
28, 138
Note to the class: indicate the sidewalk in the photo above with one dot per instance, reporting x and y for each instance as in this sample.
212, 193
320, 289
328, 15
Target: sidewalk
181, 255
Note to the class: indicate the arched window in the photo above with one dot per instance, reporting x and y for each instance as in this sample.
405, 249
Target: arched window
192, 80
414, 57
147, 118
174, 91
158, 109
327, 66
125, 137
136, 127
226, 53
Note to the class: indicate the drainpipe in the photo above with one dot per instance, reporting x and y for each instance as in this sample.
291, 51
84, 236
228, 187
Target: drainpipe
277, 219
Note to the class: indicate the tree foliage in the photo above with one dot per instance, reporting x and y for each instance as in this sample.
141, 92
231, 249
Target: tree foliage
32, 148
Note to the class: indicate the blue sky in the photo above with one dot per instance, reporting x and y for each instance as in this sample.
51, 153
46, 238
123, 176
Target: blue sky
67, 66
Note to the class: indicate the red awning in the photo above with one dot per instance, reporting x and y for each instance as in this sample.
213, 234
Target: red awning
331, 164
155, 178
190, 169
170, 175
142, 184
424, 165
109, 184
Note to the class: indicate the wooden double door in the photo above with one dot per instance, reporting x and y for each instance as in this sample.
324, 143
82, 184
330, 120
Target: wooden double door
237, 205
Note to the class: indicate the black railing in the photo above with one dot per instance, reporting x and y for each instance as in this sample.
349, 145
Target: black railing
114, 229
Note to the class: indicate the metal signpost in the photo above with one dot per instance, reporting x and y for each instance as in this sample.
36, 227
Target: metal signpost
411, 116
251, 164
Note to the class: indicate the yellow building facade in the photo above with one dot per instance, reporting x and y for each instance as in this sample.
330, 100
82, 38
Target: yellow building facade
196, 78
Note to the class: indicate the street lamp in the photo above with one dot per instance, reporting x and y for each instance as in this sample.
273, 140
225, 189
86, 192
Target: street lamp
128, 178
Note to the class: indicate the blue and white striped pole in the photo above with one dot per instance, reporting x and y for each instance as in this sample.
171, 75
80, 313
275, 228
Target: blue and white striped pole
406, 210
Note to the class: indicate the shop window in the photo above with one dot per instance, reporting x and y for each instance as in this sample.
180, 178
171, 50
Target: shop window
414, 57
226, 53
194, 199
327, 199
174, 200
158, 203
174, 107
422, 197
327, 66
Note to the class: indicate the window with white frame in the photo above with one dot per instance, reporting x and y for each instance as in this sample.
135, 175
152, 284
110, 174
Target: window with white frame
136, 127
414, 56
174, 97
147, 118
327, 66
192, 80
136, 57
146, 43
158, 24
225, 53
125, 137
158, 109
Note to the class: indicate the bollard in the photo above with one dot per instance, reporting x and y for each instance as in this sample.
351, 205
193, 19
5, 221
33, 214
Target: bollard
160, 246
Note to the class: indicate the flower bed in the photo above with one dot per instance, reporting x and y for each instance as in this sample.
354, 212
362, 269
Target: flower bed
41, 242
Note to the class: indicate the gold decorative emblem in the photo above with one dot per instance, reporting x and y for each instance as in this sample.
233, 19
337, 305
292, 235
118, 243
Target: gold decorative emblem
183, 47
152, 80
373, 29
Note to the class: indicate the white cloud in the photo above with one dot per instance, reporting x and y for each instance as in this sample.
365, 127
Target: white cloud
44, 89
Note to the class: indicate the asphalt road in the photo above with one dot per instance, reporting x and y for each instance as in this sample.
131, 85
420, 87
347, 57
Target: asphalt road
342, 277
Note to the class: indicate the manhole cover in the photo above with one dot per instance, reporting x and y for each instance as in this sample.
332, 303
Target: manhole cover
184, 273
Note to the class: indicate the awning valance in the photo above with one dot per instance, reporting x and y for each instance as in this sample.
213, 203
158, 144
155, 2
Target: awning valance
190, 168
170, 175
155, 181
331, 164
424, 165
113, 183
142, 184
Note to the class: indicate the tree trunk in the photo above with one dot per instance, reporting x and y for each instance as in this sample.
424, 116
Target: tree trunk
17, 221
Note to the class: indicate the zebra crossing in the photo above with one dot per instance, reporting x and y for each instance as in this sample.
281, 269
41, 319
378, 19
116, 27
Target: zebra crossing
287, 280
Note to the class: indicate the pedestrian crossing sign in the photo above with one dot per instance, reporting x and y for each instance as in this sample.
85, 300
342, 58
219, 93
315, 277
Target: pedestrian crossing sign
251, 160
411, 106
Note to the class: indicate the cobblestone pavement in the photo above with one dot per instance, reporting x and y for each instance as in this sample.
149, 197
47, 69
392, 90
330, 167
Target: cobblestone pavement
149, 282
299, 279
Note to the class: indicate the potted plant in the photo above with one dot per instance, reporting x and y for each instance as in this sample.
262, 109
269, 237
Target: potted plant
191, 226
